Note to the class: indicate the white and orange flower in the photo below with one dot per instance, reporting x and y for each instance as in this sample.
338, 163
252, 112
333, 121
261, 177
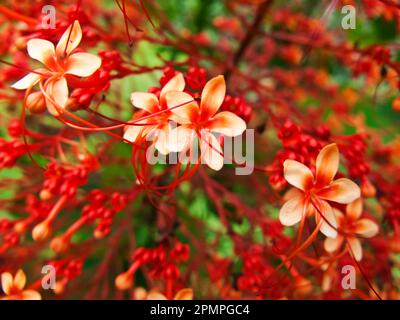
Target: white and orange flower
59, 62
13, 287
202, 121
312, 194
351, 228
156, 126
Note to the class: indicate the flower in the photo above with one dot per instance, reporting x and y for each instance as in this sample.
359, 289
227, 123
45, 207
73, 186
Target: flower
317, 191
141, 294
157, 124
13, 287
201, 121
60, 62
351, 227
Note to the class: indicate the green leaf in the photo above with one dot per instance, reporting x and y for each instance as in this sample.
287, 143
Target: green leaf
225, 246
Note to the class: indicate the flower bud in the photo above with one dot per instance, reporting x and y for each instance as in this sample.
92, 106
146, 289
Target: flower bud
45, 194
367, 188
72, 104
139, 293
396, 104
59, 244
124, 281
15, 128
59, 288
41, 231
98, 234
303, 286
20, 227
394, 244
35, 102
20, 43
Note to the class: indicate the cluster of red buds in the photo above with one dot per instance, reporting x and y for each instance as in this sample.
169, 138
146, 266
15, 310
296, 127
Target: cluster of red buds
238, 106
298, 145
162, 262
255, 270
103, 207
10, 152
354, 150
99, 82
62, 180
65, 271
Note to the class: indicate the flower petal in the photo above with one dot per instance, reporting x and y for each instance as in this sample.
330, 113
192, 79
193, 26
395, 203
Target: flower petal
341, 190
176, 83
35, 102
291, 212
297, 174
162, 137
227, 123
339, 216
180, 139
211, 151
212, 97
7, 282
132, 133
184, 294
140, 293
329, 223
366, 228
292, 193
57, 90
82, 64
333, 244
354, 209
20, 279
326, 282
28, 81
69, 40
145, 101
42, 50
356, 249
31, 295
185, 109
154, 295
327, 164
